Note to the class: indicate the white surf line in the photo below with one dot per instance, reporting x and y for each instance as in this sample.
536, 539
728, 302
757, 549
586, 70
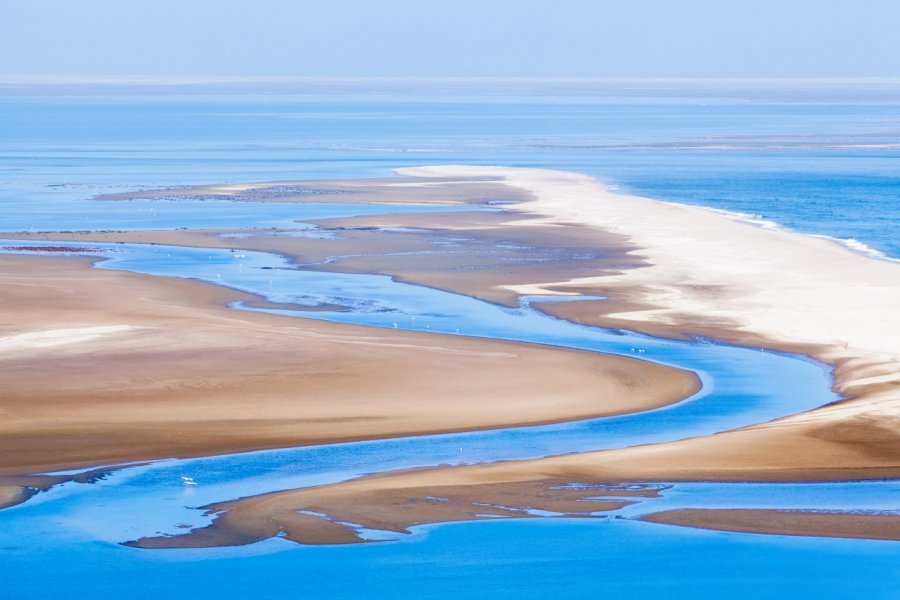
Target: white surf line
52, 338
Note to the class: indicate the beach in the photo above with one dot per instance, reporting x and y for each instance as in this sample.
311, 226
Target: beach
706, 274
105, 367
476, 300
664, 269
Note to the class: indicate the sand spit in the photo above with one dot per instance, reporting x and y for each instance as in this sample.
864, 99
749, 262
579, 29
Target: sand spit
53, 338
713, 275
785, 286
146, 367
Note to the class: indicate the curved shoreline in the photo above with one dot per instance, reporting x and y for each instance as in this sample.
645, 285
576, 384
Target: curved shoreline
674, 295
853, 439
206, 379
793, 448
835, 524
11, 495
691, 303
710, 274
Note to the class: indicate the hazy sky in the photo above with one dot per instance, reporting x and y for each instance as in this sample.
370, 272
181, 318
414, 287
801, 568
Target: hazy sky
450, 38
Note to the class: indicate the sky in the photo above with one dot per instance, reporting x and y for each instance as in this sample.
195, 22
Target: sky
450, 38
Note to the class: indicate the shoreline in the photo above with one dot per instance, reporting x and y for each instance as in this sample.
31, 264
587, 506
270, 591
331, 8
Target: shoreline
708, 274
629, 305
769, 288
833, 524
855, 438
137, 367
11, 495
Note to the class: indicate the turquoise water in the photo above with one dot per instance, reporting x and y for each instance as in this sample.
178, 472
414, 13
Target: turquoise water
824, 168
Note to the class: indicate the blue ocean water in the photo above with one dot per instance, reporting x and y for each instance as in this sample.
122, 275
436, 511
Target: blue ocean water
821, 167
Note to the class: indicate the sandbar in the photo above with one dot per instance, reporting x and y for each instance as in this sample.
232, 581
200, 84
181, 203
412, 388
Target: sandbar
710, 274
340, 514
786, 522
102, 366
689, 272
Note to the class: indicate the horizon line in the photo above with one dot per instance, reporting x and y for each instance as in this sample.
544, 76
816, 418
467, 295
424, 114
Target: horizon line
225, 79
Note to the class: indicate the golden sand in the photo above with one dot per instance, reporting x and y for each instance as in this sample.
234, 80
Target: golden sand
101, 366
700, 272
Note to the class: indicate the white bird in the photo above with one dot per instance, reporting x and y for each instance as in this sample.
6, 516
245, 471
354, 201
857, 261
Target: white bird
188, 480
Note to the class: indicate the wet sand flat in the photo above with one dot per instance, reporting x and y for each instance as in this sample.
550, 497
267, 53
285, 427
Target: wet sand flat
786, 522
10, 495
334, 514
481, 253
103, 366
478, 190
663, 275
707, 274
397, 501
676, 271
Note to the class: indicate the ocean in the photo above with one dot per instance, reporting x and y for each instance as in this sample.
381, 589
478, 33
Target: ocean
824, 165
827, 168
